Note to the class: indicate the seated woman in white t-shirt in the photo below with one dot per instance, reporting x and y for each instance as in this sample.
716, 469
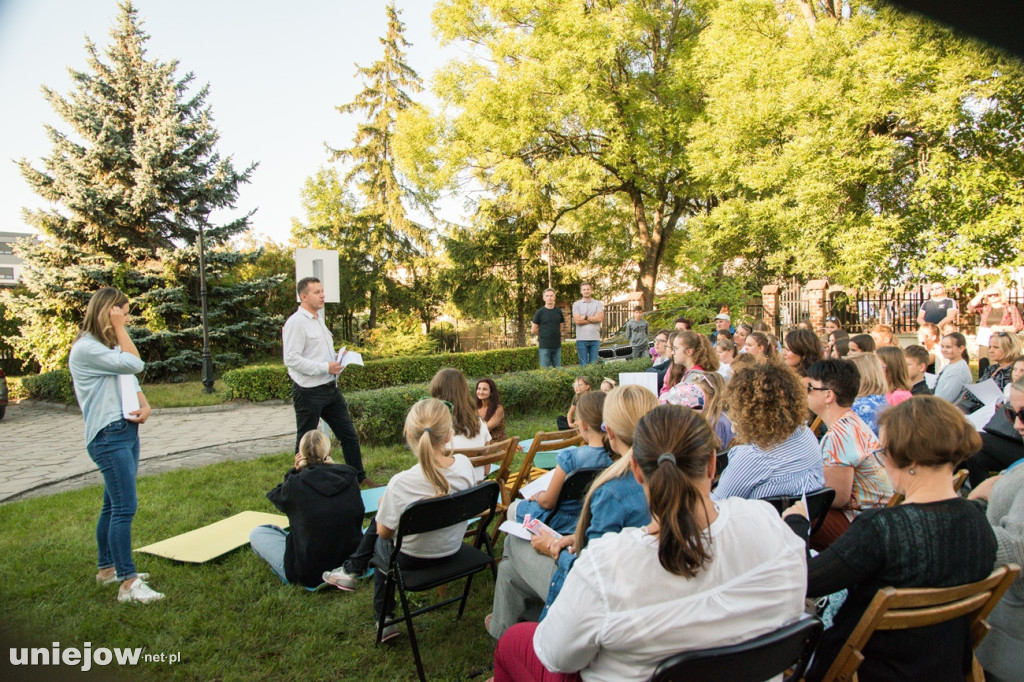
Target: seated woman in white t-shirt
428, 429
468, 429
701, 574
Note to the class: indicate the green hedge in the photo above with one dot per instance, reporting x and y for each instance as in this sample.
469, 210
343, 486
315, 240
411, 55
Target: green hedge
379, 415
265, 382
55, 386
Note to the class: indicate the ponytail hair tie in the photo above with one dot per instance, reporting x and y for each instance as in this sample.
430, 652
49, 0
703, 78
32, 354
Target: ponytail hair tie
426, 429
667, 457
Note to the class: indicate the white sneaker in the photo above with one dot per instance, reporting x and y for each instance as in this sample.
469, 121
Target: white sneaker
341, 579
390, 632
139, 592
113, 579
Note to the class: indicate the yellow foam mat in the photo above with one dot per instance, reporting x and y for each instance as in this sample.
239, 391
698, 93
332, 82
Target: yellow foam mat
209, 542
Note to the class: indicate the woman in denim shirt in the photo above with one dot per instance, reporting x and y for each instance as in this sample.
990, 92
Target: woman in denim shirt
615, 501
102, 352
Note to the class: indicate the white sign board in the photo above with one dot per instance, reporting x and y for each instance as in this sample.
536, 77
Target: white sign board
322, 264
648, 380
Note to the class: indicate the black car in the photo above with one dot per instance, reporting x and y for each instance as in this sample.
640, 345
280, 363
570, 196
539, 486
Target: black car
3, 393
616, 346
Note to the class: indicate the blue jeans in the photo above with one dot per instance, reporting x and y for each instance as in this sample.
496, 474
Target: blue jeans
268, 541
550, 357
115, 450
587, 350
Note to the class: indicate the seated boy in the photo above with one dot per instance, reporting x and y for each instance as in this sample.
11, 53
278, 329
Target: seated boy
917, 364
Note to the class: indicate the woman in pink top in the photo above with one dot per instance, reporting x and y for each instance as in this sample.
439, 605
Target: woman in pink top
894, 364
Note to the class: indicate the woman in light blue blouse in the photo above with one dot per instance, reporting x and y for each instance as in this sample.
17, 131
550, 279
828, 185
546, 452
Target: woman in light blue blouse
102, 352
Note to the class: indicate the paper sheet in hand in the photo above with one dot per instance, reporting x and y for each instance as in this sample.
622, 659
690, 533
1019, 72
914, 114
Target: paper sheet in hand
515, 529
129, 396
209, 542
930, 380
538, 486
989, 394
648, 380
349, 358
983, 336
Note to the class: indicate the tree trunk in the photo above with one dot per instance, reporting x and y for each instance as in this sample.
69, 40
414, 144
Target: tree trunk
653, 236
520, 305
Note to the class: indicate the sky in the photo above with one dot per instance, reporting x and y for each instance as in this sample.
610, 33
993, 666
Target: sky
276, 72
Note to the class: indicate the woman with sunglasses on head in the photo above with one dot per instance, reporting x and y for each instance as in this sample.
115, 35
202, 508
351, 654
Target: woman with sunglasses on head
1001, 653
934, 538
530, 577
101, 354
701, 573
1004, 349
1001, 444
774, 452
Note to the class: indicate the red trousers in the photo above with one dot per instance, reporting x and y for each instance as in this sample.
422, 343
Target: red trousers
516, 661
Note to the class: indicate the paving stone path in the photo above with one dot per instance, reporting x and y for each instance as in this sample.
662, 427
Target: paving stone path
42, 450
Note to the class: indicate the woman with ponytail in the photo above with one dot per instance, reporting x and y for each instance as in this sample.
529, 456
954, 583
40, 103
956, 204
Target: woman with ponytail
325, 515
700, 574
615, 501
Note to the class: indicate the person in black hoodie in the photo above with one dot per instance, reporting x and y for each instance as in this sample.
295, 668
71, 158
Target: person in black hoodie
325, 515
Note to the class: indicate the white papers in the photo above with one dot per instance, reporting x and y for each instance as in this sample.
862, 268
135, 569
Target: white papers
349, 358
129, 396
989, 394
648, 380
983, 336
538, 486
515, 529
930, 380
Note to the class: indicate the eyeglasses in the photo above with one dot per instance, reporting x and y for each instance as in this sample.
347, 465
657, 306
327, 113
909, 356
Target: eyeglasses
817, 388
1012, 415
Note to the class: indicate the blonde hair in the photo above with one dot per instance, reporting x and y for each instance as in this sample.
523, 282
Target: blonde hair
315, 448
872, 377
450, 384
896, 374
623, 408
712, 385
428, 428
97, 315
1009, 344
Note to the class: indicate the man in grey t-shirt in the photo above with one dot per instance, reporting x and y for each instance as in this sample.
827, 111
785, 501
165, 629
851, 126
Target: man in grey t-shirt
587, 314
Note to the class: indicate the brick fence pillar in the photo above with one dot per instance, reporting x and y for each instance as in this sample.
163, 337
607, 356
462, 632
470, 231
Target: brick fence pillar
770, 305
816, 290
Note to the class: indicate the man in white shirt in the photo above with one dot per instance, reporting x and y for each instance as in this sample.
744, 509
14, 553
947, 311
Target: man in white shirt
587, 314
313, 367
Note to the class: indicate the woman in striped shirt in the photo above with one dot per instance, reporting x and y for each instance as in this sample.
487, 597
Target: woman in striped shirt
778, 454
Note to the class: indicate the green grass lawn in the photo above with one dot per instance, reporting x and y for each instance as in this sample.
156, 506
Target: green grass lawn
184, 394
229, 619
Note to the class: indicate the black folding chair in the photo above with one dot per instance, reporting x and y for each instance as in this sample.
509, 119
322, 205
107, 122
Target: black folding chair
575, 485
434, 514
818, 504
786, 650
721, 461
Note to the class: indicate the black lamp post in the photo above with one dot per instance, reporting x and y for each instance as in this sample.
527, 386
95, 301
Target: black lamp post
207, 358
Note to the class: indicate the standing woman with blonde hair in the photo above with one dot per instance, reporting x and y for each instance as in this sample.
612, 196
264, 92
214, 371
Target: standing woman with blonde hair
102, 352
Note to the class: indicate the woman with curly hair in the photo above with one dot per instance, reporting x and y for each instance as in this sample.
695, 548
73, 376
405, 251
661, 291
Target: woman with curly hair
802, 349
778, 454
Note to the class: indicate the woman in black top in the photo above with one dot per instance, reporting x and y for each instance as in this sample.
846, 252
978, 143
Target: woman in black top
325, 516
934, 539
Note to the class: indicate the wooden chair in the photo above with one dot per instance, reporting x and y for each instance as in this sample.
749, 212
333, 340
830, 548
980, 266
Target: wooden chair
786, 650
901, 609
542, 442
500, 454
959, 478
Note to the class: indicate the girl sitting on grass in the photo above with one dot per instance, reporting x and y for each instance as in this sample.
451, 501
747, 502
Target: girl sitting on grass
593, 454
325, 516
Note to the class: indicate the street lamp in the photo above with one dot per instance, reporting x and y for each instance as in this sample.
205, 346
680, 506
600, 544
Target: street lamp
207, 358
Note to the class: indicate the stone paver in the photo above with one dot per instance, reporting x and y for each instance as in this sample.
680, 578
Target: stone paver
42, 449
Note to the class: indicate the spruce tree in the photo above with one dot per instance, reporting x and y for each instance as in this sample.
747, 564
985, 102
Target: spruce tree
128, 188
391, 239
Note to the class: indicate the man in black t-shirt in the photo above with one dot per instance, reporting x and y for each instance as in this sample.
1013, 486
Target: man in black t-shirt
547, 325
939, 309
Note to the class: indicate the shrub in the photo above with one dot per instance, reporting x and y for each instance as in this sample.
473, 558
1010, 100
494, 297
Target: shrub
379, 415
273, 381
55, 386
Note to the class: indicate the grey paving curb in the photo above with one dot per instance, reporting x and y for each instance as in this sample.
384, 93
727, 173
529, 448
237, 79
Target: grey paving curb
241, 450
199, 409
